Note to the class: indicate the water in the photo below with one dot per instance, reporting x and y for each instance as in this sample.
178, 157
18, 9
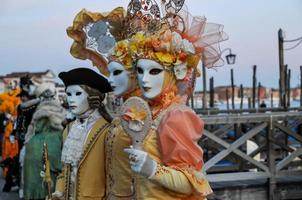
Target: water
222, 105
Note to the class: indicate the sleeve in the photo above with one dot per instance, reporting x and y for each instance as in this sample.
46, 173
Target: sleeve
179, 132
61, 178
172, 179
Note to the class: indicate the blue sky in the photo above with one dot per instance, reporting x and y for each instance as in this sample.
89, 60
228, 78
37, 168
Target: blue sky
33, 35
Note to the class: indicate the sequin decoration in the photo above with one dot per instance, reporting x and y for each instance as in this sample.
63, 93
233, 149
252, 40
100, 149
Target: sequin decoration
143, 15
98, 37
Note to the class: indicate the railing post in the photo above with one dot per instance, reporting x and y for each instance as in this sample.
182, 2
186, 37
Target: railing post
271, 161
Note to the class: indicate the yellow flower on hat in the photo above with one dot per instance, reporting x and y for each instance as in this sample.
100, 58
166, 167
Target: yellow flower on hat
121, 54
121, 48
165, 58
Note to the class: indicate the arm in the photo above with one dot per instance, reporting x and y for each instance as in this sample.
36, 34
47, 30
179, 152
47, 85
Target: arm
181, 156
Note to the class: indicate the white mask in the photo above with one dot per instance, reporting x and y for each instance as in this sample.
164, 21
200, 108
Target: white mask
150, 77
119, 78
77, 99
32, 89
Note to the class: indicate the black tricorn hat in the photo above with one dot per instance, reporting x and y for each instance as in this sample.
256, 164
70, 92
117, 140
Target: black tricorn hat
85, 76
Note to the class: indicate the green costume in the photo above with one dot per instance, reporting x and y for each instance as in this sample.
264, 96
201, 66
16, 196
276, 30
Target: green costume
45, 128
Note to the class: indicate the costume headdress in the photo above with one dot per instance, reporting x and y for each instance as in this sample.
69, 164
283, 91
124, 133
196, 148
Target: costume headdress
168, 35
176, 37
96, 34
176, 40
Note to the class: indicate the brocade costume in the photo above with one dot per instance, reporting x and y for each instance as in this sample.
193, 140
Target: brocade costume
83, 175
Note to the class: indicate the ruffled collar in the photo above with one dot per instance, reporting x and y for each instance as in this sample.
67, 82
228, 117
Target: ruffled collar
163, 101
75, 141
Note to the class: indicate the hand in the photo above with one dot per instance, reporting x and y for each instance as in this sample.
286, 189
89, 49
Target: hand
141, 162
57, 196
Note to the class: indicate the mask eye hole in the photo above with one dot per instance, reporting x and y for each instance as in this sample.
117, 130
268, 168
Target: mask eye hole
155, 71
78, 93
117, 72
140, 70
68, 94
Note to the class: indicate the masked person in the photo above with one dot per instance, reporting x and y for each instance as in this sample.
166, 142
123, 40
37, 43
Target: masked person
45, 128
10, 148
29, 103
121, 75
83, 153
169, 163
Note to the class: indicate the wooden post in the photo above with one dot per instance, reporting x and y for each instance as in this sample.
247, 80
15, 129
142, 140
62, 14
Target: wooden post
258, 94
249, 102
241, 96
272, 100
211, 92
288, 88
285, 100
280, 96
271, 161
227, 98
254, 85
281, 67
301, 85
233, 89
204, 78
300, 126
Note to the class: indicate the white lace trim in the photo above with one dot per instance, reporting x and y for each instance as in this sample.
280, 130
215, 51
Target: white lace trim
74, 143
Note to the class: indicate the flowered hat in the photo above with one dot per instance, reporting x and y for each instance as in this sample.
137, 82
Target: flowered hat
176, 37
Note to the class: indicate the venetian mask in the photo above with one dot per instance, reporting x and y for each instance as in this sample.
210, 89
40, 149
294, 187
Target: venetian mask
119, 79
151, 77
77, 99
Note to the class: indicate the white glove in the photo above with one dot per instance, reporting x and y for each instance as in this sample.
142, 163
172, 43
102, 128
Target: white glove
141, 162
57, 196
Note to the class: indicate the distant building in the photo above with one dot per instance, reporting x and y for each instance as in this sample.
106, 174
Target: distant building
275, 95
221, 92
295, 93
12, 80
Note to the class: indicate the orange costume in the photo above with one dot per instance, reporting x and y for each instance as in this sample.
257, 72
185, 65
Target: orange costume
8, 105
166, 159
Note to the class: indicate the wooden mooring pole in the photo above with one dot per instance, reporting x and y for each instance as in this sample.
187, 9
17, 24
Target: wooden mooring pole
301, 85
285, 100
254, 86
258, 94
241, 96
212, 92
281, 67
204, 79
227, 98
233, 89
288, 88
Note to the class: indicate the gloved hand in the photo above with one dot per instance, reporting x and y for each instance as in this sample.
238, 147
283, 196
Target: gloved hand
57, 196
141, 162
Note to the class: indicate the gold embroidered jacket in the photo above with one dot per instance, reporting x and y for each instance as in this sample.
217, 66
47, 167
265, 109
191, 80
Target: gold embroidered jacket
90, 179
